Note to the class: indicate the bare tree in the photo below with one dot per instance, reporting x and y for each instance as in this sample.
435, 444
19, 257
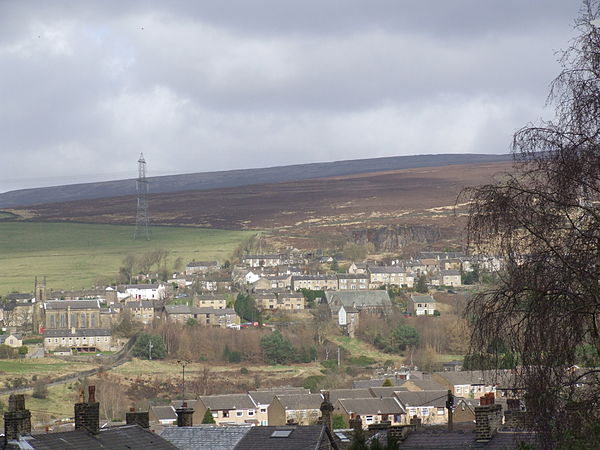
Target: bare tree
544, 219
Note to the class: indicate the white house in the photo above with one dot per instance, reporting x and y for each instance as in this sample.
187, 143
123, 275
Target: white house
146, 291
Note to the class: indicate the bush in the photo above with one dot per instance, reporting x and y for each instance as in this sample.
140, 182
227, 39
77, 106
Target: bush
244, 371
387, 383
23, 350
330, 364
145, 341
362, 361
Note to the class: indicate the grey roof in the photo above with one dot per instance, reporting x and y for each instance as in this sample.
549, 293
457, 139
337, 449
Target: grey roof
385, 391
211, 297
362, 406
266, 397
202, 264
205, 437
461, 440
476, 377
422, 299
4, 336
164, 412
73, 304
178, 309
352, 276
450, 272
190, 403
139, 304
373, 382
122, 437
387, 269
299, 438
336, 394
227, 401
300, 401
79, 332
423, 398
362, 298
425, 385
314, 277
142, 286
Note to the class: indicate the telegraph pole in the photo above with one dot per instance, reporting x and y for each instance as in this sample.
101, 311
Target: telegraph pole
183, 364
141, 217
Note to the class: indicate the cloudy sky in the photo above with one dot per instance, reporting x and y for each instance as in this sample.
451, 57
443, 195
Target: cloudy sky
85, 86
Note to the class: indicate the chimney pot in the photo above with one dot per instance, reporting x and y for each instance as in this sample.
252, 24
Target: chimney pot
91, 394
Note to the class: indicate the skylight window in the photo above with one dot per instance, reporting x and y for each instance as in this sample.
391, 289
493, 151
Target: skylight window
281, 433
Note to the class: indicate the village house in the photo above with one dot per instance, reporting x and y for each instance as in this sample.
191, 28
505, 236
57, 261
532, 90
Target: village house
447, 278
358, 268
421, 305
18, 313
13, 340
347, 318
390, 275
162, 415
352, 281
80, 340
372, 410
373, 301
314, 282
196, 267
468, 384
337, 394
265, 300
301, 409
429, 406
291, 301
146, 291
215, 282
263, 260
67, 314
215, 301
451, 264
140, 311
222, 318
228, 409
415, 384
263, 398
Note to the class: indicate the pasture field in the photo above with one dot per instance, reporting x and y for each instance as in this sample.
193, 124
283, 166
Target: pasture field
76, 256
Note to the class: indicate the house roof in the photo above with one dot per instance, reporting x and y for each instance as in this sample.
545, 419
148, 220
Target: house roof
142, 286
210, 297
423, 398
429, 439
362, 406
178, 403
178, 309
300, 401
79, 332
122, 437
362, 298
266, 397
450, 272
476, 377
73, 304
202, 264
205, 437
336, 394
385, 391
422, 299
373, 382
3, 337
387, 269
139, 304
164, 412
284, 438
227, 402
314, 277
352, 276
425, 385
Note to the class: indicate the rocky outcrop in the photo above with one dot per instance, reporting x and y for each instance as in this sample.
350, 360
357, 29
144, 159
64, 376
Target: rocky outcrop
394, 238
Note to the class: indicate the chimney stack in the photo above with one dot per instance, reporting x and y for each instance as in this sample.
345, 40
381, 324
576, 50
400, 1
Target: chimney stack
87, 415
326, 411
141, 418
488, 418
17, 420
185, 415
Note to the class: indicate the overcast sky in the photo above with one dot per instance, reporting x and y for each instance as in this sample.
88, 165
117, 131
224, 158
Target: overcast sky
85, 86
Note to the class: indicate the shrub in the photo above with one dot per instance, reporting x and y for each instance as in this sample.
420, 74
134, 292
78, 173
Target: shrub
312, 382
208, 417
244, 371
145, 341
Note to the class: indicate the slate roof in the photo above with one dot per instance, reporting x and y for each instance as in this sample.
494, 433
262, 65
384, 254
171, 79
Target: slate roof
360, 298
227, 402
373, 382
366, 406
450, 272
300, 438
465, 377
142, 286
205, 437
423, 398
387, 269
139, 304
336, 394
425, 385
202, 264
461, 440
386, 391
300, 401
73, 304
79, 332
190, 403
210, 297
164, 412
422, 299
122, 437
266, 397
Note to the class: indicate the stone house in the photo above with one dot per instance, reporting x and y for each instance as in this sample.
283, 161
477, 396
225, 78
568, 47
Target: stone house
228, 409
372, 301
358, 268
372, 410
390, 275
429, 406
13, 340
264, 260
222, 318
67, 314
301, 409
263, 398
291, 301
468, 384
18, 314
265, 301
140, 311
421, 305
314, 282
81, 340
337, 394
347, 318
195, 267
215, 301
350, 281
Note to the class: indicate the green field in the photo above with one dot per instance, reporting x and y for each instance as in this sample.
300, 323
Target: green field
75, 256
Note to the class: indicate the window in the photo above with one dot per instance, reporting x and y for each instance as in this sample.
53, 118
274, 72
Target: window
440, 411
369, 418
239, 413
63, 320
82, 321
424, 411
458, 390
225, 413
250, 412
215, 415
263, 410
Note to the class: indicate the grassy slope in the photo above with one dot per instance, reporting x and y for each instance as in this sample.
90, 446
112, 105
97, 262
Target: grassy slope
74, 256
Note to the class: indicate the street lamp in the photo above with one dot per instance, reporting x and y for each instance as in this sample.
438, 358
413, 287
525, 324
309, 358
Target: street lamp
183, 363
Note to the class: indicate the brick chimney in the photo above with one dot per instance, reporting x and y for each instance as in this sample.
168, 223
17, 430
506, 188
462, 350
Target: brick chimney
17, 420
326, 411
141, 418
355, 423
488, 418
87, 414
185, 415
